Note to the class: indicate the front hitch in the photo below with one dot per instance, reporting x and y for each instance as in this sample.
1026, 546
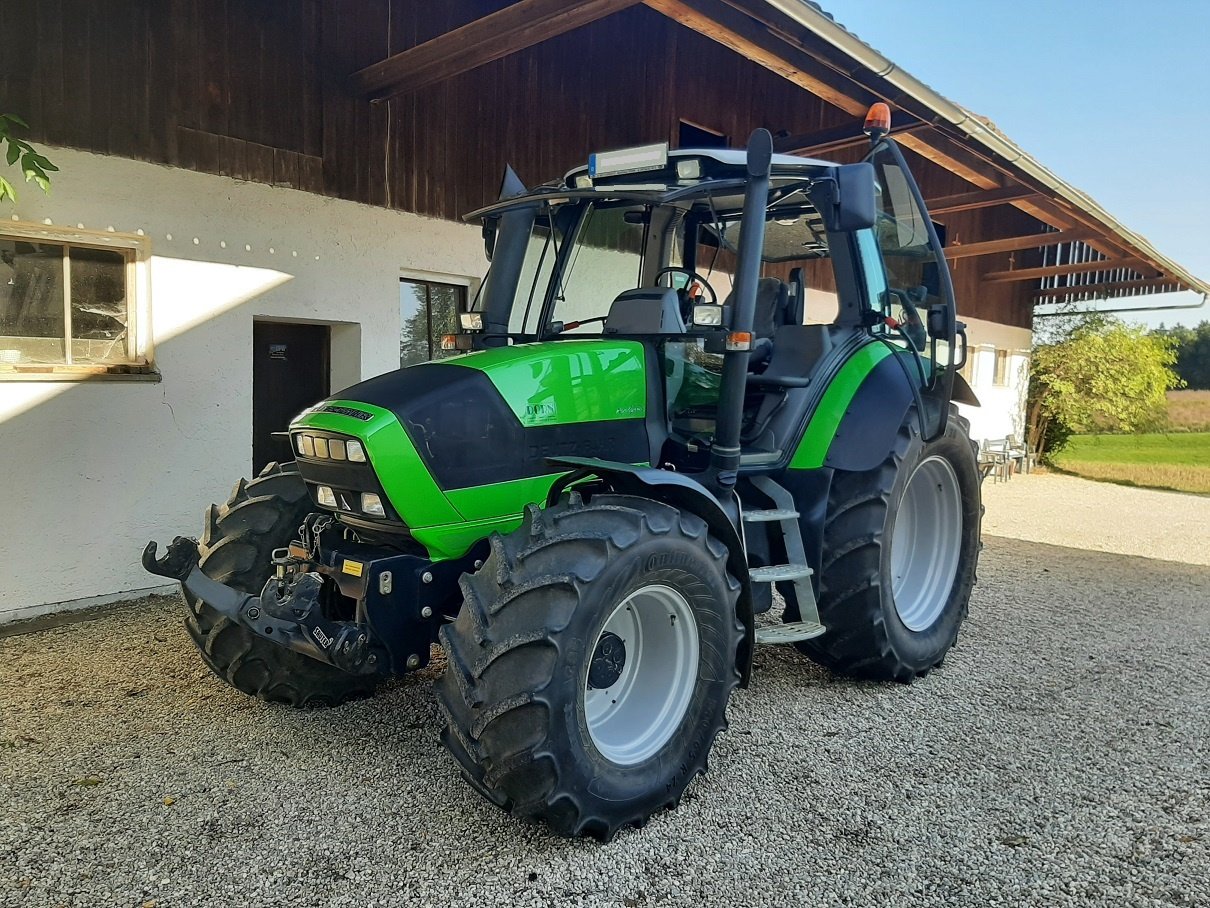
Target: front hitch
287, 612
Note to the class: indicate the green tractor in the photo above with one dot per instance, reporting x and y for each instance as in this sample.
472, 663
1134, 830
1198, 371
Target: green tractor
690, 378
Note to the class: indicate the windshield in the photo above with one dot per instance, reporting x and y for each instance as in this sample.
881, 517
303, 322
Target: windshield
582, 253
607, 260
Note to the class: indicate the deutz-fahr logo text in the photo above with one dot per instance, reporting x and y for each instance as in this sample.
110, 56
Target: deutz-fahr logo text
321, 638
349, 411
540, 411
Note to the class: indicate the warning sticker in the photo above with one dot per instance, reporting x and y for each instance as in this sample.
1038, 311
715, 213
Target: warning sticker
353, 567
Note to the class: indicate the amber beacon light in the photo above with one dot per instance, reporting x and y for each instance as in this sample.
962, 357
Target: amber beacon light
877, 121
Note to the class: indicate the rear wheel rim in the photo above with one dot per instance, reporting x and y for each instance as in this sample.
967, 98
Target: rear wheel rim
651, 686
926, 544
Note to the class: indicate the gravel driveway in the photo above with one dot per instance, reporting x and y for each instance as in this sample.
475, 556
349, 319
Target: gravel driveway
1059, 757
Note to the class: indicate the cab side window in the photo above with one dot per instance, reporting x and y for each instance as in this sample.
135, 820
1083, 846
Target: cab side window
910, 256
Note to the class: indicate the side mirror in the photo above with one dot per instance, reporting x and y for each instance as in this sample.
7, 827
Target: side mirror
848, 202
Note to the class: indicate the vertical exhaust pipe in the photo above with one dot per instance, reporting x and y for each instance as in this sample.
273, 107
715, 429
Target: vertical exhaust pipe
724, 456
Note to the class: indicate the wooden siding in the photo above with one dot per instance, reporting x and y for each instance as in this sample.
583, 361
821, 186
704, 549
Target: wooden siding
259, 90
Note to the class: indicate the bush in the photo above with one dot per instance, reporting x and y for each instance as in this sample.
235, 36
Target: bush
1096, 374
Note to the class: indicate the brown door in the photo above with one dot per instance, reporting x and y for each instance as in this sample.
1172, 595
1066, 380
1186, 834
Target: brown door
289, 373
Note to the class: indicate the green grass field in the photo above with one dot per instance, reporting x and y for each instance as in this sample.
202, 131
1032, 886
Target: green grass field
1179, 461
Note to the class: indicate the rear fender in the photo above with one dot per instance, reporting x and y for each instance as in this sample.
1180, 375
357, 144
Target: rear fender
871, 420
687, 494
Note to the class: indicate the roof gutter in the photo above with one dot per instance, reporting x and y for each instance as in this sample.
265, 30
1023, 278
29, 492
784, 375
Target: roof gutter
817, 21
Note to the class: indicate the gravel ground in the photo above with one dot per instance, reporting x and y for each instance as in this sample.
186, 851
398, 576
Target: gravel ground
1059, 757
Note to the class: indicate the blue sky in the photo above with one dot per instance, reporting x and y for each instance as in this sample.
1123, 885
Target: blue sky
1112, 96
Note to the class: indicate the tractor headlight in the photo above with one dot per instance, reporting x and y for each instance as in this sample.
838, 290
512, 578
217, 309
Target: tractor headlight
326, 497
471, 321
336, 448
355, 452
321, 448
371, 504
306, 445
708, 316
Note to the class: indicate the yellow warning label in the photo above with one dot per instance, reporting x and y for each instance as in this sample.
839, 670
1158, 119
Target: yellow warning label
353, 567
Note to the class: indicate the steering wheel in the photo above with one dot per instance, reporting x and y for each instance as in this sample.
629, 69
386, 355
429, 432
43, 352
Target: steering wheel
693, 277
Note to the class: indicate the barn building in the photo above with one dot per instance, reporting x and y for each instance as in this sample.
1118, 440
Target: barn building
258, 203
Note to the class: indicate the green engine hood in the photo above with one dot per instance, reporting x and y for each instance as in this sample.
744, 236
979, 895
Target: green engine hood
460, 445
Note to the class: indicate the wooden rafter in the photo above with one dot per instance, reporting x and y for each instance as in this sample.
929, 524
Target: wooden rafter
770, 37
1036, 274
514, 28
1016, 243
974, 164
776, 47
1152, 283
968, 201
731, 28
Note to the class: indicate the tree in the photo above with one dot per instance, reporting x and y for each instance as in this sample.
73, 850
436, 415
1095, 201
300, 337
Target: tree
35, 167
1192, 353
1096, 374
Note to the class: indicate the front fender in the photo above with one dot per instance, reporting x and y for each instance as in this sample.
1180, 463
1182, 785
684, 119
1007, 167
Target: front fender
686, 493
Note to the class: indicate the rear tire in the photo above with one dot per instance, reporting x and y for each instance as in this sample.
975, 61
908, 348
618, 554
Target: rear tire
236, 548
893, 601
572, 694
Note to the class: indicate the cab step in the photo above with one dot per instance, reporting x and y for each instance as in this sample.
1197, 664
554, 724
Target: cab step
774, 573
768, 515
791, 632
785, 514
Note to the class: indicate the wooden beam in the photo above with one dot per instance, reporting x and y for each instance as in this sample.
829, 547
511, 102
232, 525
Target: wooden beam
768, 37
986, 198
834, 138
514, 28
1037, 274
1153, 283
973, 163
1015, 243
778, 50
740, 33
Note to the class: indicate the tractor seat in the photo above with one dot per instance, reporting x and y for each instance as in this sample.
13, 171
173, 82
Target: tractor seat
772, 311
647, 310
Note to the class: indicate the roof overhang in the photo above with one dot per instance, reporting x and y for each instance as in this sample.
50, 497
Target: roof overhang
1090, 254
1131, 255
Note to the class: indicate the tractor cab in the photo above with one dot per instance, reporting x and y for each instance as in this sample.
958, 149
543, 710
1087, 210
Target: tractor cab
647, 244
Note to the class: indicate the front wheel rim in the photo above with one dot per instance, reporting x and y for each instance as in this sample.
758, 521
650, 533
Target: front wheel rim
926, 544
650, 687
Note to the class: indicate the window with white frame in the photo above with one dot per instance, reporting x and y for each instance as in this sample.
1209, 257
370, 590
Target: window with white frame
69, 303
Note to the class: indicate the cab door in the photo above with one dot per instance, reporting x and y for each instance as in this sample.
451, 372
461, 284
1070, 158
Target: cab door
908, 283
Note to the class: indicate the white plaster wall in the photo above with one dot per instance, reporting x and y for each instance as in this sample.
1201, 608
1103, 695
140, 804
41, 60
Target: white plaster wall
1002, 410
95, 469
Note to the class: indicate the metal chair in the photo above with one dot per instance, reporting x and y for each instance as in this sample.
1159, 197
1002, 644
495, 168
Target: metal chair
994, 459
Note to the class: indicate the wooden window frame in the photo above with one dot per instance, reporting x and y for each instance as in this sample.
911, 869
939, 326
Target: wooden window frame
999, 376
136, 249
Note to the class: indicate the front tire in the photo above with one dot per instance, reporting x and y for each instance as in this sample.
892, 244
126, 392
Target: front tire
900, 549
590, 667
236, 549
